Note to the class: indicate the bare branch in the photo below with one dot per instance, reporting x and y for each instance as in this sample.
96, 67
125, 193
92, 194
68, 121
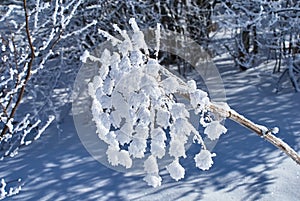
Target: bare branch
29, 67
233, 115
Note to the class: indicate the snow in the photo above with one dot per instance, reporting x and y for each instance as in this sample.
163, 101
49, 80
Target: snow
153, 180
178, 110
118, 157
150, 165
204, 160
105, 61
158, 149
157, 39
158, 135
3, 192
170, 84
275, 130
163, 118
214, 129
152, 67
137, 148
175, 170
138, 37
151, 168
198, 99
177, 149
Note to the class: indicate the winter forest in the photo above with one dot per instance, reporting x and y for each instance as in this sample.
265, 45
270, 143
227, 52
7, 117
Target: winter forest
150, 100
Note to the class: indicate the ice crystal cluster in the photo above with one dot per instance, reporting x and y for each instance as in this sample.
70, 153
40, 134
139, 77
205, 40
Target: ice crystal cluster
136, 113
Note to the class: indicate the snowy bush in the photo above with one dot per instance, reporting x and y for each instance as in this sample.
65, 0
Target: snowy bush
34, 53
262, 30
32, 34
134, 108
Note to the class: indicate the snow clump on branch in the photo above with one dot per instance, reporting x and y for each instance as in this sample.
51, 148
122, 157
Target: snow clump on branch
136, 113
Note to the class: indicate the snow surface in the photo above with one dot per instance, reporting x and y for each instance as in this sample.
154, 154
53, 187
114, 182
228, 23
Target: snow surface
57, 167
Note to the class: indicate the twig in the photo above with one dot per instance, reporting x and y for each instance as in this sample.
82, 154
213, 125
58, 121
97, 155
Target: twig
233, 115
32, 56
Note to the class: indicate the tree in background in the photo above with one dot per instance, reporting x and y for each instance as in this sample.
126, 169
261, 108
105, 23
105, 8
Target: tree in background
263, 30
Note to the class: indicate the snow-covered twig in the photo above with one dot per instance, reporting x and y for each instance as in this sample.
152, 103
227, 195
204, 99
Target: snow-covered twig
4, 192
258, 129
28, 73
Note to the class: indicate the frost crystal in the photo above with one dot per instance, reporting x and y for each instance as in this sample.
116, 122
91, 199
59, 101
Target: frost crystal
176, 170
275, 130
214, 129
85, 55
153, 180
204, 159
150, 165
163, 118
177, 148
118, 157
2, 189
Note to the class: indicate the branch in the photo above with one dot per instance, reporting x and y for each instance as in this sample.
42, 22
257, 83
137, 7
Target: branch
240, 119
29, 67
233, 115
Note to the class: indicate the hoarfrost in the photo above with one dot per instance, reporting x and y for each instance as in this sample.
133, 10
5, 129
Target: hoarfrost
153, 180
163, 118
150, 165
204, 159
175, 170
214, 129
177, 148
116, 157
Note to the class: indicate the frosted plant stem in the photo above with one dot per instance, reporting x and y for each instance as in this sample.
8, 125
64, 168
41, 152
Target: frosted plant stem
28, 73
240, 119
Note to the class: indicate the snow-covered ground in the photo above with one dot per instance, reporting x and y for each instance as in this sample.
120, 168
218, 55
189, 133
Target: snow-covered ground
58, 167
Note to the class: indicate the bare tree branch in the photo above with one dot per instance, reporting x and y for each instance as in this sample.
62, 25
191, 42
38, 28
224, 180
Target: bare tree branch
29, 67
240, 119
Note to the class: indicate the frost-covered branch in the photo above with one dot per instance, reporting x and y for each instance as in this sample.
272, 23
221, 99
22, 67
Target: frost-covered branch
27, 76
6, 192
262, 131
133, 94
136, 114
35, 36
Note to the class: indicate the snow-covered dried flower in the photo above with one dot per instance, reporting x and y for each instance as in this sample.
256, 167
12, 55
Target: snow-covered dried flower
177, 148
175, 170
153, 180
150, 165
214, 129
134, 106
198, 100
204, 159
118, 157
163, 118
